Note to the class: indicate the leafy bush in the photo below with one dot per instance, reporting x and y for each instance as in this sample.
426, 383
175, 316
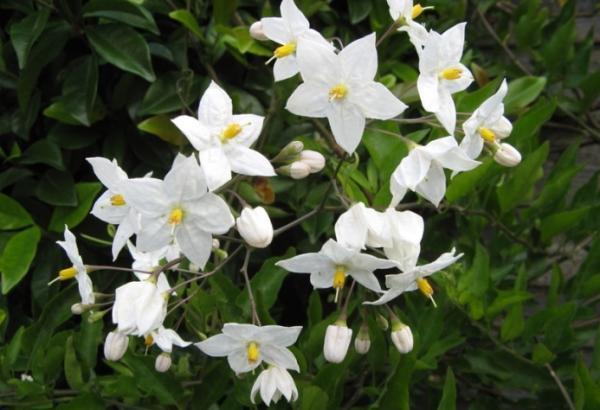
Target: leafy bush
516, 322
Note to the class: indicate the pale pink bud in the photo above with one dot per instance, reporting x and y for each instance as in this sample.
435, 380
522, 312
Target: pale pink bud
163, 362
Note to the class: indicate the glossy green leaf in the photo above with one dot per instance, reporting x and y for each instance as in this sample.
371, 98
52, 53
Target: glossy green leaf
24, 33
121, 11
522, 92
12, 214
56, 188
163, 128
73, 215
188, 20
17, 257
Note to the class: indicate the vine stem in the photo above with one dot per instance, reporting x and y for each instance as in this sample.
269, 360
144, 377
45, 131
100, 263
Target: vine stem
393, 27
244, 270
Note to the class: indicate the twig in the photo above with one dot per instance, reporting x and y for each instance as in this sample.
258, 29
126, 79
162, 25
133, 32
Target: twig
393, 27
560, 386
244, 270
339, 151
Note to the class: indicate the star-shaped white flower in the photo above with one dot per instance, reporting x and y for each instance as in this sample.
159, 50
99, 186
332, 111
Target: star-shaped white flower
288, 30
223, 140
178, 208
78, 270
140, 307
341, 88
111, 207
361, 226
441, 74
487, 124
404, 12
273, 383
415, 278
422, 170
333, 263
247, 346
166, 338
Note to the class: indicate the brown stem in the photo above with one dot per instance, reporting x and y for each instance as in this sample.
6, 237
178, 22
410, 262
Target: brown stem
244, 270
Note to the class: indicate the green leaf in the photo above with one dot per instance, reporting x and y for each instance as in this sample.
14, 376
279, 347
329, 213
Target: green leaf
57, 188
223, 11
513, 325
73, 215
17, 257
43, 151
396, 395
171, 92
541, 354
24, 33
560, 222
12, 214
123, 47
80, 88
73, 372
522, 92
359, 10
587, 391
448, 401
528, 124
466, 182
313, 398
122, 11
188, 20
163, 128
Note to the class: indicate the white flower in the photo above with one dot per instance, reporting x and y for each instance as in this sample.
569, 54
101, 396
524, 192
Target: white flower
78, 270
147, 261
111, 207
507, 155
273, 383
341, 88
165, 339
402, 337
441, 74
254, 225
247, 346
360, 226
404, 13
289, 30
115, 345
487, 124
415, 278
223, 139
178, 208
163, 362
140, 307
26, 377
315, 160
422, 170
337, 340
406, 232
333, 263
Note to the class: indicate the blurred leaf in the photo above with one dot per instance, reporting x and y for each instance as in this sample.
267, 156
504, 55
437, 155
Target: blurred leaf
17, 257
448, 401
122, 11
171, 92
80, 88
43, 151
587, 391
541, 354
12, 214
24, 33
188, 20
313, 398
522, 92
57, 188
359, 10
73, 215
163, 128
73, 372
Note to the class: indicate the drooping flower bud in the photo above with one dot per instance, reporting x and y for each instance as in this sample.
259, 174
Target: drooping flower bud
401, 336
254, 225
382, 322
79, 308
362, 342
337, 340
507, 155
289, 152
315, 160
115, 345
257, 32
163, 362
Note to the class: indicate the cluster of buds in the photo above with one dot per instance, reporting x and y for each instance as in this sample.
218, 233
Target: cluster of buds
298, 162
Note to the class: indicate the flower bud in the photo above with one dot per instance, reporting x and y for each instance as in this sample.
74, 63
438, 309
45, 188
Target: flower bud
215, 244
289, 152
299, 170
337, 340
115, 346
257, 32
507, 155
315, 160
79, 308
255, 227
163, 362
382, 322
362, 342
402, 337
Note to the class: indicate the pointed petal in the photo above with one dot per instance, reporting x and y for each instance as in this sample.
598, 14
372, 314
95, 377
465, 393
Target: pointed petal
215, 165
197, 134
309, 100
215, 108
279, 356
359, 60
347, 125
108, 172
313, 54
446, 112
376, 101
433, 187
276, 29
247, 161
219, 345
293, 16
366, 278
427, 85
145, 195
251, 127
414, 167
185, 181
211, 213
285, 67
306, 263
239, 363
279, 335
195, 243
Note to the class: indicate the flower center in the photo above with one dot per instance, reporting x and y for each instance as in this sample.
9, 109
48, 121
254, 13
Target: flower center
231, 131
68, 273
148, 340
339, 277
117, 200
285, 50
417, 10
176, 216
451, 73
253, 352
487, 134
338, 92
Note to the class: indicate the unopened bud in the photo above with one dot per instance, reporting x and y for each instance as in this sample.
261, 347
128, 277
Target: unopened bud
382, 322
115, 345
315, 160
216, 244
257, 32
507, 155
79, 308
402, 337
163, 362
337, 340
289, 152
254, 225
362, 342
95, 316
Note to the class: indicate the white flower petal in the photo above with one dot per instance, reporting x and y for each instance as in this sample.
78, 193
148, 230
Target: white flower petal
251, 127
359, 60
347, 125
414, 167
108, 172
446, 112
279, 356
306, 263
196, 132
215, 109
433, 187
215, 165
279, 335
220, 345
195, 242
309, 100
276, 29
312, 54
293, 16
146, 195
247, 161
285, 67
239, 363
427, 85
376, 101
366, 278
211, 213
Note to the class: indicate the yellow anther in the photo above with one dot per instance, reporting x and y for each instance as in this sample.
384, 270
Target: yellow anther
176, 216
424, 287
148, 340
487, 134
117, 200
338, 92
68, 273
339, 277
253, 352
417, 10
451, 73
285, 50
231, 131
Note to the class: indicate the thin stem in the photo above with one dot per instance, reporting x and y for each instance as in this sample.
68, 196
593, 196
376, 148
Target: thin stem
418, 120
244, 270
393, 27
164, 267
561, 386
115, 268
345, 307
339, 151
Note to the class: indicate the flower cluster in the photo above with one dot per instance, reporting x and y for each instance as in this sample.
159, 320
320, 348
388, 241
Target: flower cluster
176, 223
